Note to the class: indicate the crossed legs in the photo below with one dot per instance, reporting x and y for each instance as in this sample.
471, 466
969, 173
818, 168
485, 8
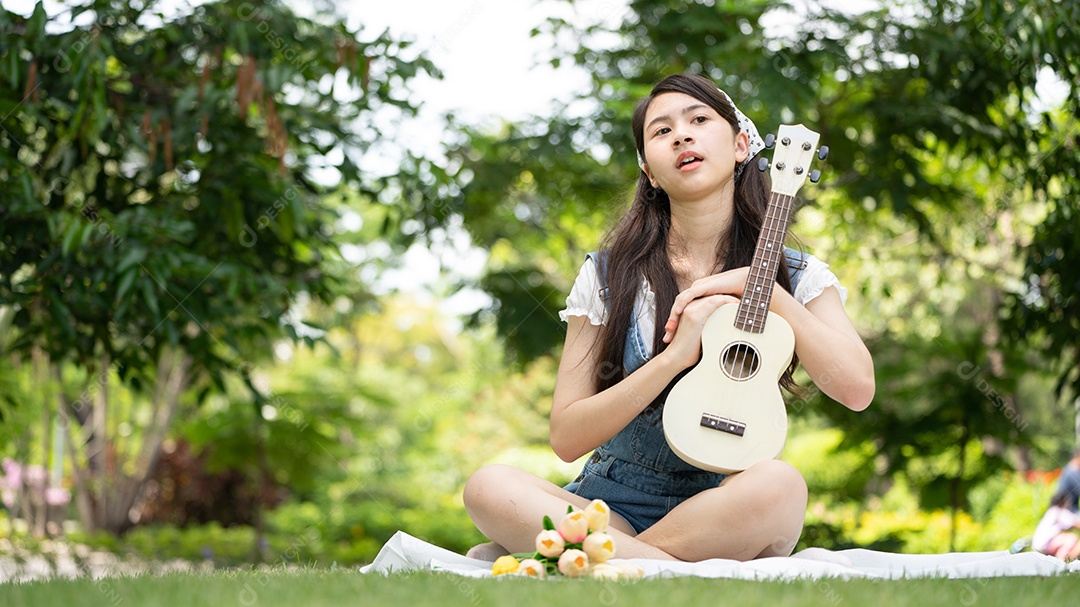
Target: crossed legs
756, 513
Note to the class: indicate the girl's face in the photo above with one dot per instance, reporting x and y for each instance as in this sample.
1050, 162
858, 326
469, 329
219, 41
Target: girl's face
690, 150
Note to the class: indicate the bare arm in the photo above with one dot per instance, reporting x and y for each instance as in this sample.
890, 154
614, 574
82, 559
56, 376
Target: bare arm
829, 348
581, 418
827, 344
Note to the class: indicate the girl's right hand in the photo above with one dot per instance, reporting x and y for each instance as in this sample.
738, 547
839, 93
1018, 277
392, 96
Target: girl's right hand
730, 282
685, 346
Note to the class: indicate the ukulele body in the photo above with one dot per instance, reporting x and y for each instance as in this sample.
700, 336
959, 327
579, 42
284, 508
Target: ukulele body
727, 413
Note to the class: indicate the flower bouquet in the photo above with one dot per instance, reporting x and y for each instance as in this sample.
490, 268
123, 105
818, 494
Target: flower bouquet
579, 545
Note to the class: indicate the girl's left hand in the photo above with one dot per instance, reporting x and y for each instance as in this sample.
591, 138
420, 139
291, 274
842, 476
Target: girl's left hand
731, 282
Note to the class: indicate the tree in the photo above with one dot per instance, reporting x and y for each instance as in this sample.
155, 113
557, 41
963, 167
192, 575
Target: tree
936, 129
163, 214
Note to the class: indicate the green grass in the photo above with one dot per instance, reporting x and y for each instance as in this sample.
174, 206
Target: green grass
344, 587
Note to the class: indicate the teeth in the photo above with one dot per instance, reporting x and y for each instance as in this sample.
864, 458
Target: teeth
689, 160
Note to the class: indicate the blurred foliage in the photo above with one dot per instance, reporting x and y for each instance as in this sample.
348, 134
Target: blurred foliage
930, 109
174, 171
939, 209
166, 193
946, 209
1009, 509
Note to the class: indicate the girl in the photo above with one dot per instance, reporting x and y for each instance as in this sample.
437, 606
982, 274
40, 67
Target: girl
635, 316
1056, 533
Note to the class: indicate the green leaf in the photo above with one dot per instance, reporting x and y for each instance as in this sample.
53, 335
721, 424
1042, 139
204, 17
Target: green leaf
36, 24
150, 297
13, 69
72, 236
242, 39
126, 281
548, 524
134, 255
60, 313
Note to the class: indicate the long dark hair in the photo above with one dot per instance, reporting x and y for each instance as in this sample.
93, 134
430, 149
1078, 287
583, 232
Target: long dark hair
638, 244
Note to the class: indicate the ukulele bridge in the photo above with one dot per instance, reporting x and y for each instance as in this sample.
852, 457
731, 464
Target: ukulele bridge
723, 424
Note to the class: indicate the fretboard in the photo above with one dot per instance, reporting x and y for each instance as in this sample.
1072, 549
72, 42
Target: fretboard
768, 258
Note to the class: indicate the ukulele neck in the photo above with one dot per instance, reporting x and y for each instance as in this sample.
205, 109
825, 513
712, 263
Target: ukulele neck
768, 260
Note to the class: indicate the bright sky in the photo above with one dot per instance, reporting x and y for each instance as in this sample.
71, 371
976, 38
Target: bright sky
492, 70
489, 61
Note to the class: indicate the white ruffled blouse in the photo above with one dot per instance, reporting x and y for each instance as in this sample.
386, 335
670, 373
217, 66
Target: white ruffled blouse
584, 298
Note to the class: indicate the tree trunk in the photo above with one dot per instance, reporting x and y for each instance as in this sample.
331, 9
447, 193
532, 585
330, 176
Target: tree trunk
39, 510
1076, 422
84, 503
96, 459
264, 484
171, 381
1010, 404
954, 489
105, 493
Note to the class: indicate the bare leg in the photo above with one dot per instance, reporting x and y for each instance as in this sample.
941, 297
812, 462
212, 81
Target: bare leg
488, 551
756, 513
1074, 552
508, 505
1065, 546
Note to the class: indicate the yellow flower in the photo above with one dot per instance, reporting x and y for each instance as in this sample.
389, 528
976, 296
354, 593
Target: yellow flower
532, 568
599, 546
549, 543
505, 564
573, 563
574, 527
598, 514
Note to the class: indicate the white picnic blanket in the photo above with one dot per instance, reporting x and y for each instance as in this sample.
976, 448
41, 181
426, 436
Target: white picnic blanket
404, 552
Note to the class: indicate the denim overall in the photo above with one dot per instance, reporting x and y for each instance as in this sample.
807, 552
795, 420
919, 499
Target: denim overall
635, 472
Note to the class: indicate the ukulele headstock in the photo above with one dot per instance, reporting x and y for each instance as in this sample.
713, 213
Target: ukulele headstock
792, 158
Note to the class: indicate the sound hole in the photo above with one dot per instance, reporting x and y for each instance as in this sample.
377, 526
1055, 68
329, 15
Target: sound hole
739, 361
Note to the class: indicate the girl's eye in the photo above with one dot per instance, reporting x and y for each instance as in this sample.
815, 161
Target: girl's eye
699, 119
662, 130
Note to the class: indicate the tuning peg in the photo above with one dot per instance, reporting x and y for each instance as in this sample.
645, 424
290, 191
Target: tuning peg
815, 175
770, 140
763, 164
823, 152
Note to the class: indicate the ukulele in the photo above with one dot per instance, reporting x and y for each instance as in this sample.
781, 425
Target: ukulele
727, 412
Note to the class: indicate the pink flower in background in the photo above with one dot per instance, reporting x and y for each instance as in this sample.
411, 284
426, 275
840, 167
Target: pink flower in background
12, 474
574, 527
57, 496
35, 477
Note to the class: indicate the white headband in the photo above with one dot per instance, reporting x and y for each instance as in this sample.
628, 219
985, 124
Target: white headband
746, 126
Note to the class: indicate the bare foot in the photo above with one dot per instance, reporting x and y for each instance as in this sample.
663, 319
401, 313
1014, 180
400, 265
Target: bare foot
487, 552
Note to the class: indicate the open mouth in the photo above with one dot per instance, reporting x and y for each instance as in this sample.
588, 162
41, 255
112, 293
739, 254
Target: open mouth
688, 161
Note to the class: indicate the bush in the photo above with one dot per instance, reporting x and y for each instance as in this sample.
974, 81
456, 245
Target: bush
1004, 509
224, 545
